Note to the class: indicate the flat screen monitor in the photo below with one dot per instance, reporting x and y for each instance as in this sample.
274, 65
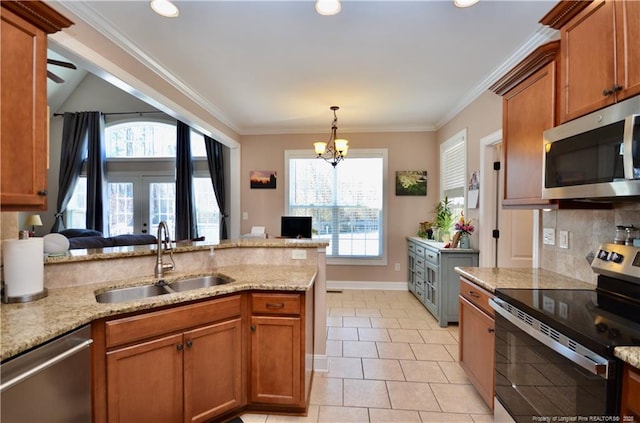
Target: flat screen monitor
295, 227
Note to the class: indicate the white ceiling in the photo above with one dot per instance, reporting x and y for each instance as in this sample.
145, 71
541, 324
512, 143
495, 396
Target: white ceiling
276, 66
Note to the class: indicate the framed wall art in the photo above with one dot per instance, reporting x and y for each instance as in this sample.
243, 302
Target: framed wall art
262, 179
411, 182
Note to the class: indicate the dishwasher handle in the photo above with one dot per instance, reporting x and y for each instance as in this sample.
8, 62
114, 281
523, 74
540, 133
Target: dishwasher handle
45, 365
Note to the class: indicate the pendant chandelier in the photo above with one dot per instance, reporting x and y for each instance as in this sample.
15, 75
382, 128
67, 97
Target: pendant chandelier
336, 149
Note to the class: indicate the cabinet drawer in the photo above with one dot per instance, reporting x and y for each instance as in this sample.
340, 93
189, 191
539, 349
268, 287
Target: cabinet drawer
476, 295
275, 303
420, 263
431, 256
149, 325
420, 251
412, 247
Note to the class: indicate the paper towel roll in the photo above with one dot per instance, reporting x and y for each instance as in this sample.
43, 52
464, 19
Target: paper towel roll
23, 266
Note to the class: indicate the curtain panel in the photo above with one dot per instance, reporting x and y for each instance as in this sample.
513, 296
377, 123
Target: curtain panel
215, 162
186, 226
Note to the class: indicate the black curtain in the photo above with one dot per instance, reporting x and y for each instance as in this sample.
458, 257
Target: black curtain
186, 227
96, 172
215, 160
74, 145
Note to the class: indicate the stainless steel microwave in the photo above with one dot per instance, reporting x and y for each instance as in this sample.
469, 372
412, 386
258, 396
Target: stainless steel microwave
596, 156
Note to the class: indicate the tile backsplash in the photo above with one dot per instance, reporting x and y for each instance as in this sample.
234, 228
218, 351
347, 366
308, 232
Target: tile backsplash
587, 229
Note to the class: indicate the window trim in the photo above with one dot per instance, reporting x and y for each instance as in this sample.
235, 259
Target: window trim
382, 153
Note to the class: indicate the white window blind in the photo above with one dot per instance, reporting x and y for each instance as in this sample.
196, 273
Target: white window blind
453, 160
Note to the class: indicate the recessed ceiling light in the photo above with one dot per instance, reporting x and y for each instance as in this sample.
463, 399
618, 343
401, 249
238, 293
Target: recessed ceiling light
164, 8
328, 7
464, 3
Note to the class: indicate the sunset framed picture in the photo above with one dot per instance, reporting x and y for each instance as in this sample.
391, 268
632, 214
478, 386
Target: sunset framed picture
262, 179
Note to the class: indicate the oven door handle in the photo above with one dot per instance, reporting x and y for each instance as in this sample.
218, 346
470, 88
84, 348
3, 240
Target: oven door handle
597, 368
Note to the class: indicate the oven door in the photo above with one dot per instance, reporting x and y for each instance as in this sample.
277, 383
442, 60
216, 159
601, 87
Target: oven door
537, 376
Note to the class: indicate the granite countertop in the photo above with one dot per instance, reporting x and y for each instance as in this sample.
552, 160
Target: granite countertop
28, 325
180, 247
491, 278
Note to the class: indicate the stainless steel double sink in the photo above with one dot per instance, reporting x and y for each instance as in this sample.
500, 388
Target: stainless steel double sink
118, 295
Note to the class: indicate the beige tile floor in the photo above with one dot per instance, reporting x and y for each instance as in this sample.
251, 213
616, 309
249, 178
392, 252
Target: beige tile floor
389, 361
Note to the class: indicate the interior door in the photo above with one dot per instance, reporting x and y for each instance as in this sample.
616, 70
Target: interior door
514, 246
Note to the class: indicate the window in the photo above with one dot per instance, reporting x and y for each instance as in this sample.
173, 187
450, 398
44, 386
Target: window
347, 203
453, 170
141, 182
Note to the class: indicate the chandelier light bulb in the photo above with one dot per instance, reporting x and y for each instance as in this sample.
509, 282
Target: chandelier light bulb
328, 7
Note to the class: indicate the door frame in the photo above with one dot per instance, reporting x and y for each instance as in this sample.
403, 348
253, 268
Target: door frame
488, 204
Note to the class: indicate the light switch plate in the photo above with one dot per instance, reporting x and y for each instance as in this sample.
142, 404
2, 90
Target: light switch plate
563, 242
549, 236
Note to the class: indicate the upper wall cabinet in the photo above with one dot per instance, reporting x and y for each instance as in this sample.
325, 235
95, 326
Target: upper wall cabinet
23, 119
529, 108
600, 56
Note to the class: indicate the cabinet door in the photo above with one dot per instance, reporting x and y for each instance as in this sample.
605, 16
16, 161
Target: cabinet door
528, 110
630, 404
23, 125
588, 57
477, 345
212, 370
628, 48
275, 360
144, 382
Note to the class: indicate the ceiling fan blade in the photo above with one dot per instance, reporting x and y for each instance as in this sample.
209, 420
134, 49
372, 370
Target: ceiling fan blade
63, 64
55, 78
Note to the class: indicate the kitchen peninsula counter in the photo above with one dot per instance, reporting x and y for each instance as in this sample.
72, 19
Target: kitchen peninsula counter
71, 303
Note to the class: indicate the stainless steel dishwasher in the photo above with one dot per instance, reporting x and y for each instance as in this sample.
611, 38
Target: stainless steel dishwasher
49, 384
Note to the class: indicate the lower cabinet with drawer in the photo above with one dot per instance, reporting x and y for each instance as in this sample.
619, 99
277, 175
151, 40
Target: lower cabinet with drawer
432, 278
174, 365
277, 346
477, 339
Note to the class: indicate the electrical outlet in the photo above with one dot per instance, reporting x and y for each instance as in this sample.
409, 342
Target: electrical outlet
245, 216
397, 267
563, 242
549, 236
299, 254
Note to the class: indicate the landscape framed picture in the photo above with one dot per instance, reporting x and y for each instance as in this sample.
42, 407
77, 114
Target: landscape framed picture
262, 179
411, 182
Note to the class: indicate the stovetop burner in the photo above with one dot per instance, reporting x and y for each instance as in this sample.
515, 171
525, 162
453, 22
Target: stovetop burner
600, 319
579, 315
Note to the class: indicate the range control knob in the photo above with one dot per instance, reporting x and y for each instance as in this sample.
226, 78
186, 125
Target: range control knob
602, 327
616, 258
603, 255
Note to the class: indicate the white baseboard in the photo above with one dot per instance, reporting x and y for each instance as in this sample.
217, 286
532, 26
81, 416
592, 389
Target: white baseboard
320, 363
391, 286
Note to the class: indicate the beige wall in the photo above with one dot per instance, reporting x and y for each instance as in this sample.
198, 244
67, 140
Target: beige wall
480, 118
406, 151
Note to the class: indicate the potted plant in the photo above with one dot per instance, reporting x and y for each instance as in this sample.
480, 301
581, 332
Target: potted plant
444, 219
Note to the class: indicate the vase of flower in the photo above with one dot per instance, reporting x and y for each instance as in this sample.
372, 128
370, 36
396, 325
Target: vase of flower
464, 229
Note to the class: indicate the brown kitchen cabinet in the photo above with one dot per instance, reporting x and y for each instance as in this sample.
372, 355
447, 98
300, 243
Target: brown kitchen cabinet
24, 150
630, 404
477, 339
178, 364
529, 108
277, 350
600, 56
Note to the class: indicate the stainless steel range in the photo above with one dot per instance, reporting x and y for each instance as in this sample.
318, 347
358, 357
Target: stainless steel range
554, 352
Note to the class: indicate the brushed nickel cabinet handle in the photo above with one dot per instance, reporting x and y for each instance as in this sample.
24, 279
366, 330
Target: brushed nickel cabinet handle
179, 347
275, 305
43, 193
474, 295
